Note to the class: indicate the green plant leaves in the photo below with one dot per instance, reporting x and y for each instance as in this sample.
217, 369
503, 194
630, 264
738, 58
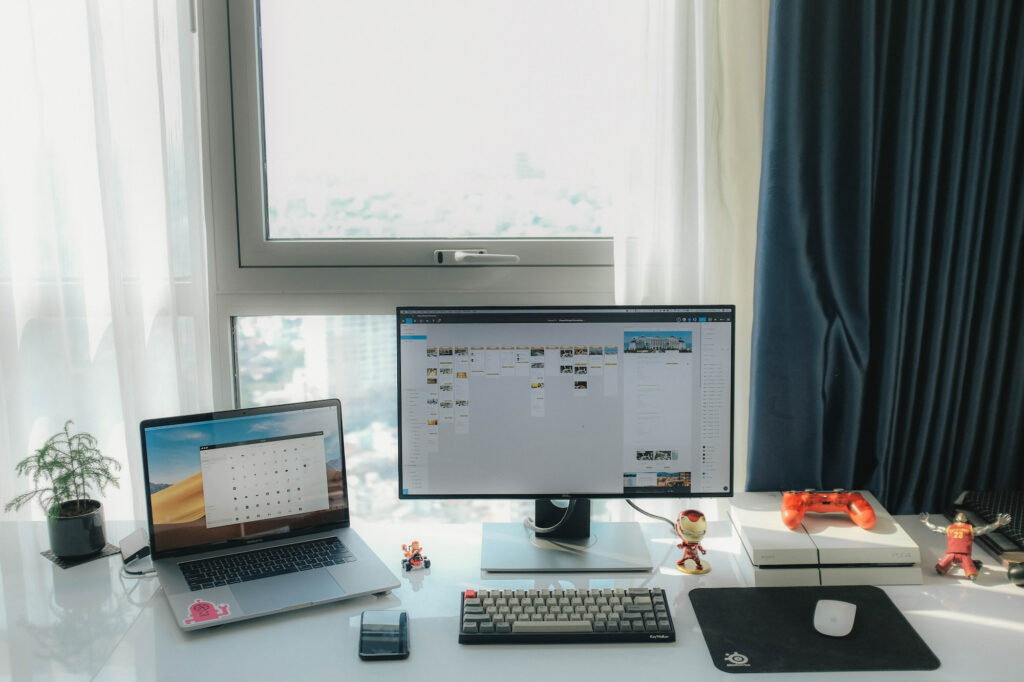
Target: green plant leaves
72, 464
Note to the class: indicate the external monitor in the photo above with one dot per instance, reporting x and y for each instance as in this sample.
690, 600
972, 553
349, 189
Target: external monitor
565, 404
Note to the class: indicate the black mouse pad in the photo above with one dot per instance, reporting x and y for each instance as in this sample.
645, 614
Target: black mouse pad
771, 630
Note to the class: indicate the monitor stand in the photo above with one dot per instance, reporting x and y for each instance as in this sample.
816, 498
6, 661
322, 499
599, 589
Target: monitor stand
577, 546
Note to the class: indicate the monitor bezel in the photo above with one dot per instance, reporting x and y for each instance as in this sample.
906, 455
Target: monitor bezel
400, 311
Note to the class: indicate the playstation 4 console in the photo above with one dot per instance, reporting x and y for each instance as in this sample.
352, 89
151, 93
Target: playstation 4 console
824, 548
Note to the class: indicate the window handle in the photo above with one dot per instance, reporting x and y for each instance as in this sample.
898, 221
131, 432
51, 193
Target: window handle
473, 257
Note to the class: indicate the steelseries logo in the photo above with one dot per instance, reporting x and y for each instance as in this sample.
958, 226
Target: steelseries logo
736, 660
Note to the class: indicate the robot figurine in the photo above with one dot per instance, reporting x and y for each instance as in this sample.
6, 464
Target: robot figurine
691, 527
960, 541
413, 556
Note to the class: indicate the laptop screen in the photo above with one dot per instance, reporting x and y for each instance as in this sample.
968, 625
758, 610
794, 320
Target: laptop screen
233, 477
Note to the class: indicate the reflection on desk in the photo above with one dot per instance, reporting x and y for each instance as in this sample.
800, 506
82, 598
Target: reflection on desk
89, 623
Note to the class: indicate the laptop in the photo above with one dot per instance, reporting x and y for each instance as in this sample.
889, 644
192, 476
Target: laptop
248, 513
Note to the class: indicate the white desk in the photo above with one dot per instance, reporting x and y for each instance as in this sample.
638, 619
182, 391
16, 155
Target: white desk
88, 623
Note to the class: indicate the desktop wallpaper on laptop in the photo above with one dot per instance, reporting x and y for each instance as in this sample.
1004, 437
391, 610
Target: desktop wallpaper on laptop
232, 479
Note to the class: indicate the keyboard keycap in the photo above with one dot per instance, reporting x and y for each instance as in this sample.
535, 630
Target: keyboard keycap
552, 626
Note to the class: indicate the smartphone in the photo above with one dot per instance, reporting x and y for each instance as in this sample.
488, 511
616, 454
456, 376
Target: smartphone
383, 635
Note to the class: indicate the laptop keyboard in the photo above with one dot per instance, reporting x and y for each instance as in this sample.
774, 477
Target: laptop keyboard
264, 563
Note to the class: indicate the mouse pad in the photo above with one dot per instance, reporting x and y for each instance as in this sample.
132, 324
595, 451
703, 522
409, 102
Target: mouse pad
771, 630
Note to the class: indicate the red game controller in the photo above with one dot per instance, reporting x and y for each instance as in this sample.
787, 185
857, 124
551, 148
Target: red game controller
795, 504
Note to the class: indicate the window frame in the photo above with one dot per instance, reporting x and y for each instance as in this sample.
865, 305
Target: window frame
257, 251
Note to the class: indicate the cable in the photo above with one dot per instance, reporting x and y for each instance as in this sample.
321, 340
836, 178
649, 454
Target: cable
530, 524
653, 516
135, 575
129, 590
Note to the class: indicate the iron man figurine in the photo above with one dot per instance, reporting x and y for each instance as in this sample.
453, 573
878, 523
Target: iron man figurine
691, 527
960, 541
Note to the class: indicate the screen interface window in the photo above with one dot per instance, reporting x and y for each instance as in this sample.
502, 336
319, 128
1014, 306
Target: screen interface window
231, 479
555, 402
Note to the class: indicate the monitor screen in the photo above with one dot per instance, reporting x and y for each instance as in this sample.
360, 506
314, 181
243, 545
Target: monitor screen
573, 402
224, 478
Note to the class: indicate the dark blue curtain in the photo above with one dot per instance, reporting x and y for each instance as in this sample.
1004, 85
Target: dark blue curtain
889, 291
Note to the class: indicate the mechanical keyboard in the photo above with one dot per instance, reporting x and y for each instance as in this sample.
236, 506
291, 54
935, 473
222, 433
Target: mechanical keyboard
263, 563
565, 616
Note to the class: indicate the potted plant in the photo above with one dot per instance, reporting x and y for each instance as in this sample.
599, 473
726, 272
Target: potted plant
72, 465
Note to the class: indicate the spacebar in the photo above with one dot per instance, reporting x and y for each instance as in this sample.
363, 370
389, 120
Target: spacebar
552, 626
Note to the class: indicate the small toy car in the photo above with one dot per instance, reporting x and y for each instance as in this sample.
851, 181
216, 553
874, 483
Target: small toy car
414, 557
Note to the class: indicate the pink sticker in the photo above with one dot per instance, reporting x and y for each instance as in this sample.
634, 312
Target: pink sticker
202, 611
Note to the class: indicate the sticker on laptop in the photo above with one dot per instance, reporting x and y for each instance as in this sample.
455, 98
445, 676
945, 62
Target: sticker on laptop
201, 611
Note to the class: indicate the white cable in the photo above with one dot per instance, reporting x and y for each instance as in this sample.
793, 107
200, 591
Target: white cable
653, 516
135, 575
530, 524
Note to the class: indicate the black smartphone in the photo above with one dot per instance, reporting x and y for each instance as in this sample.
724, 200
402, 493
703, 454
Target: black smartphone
383, 635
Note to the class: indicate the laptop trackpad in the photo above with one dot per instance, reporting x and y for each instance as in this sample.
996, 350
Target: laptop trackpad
292, 590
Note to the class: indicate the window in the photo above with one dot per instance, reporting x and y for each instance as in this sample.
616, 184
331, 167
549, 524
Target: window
385, 131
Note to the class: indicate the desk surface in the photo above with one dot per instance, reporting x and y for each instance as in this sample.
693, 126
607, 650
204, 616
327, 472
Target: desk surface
89, 623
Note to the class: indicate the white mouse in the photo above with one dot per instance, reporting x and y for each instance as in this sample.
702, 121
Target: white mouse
834, 618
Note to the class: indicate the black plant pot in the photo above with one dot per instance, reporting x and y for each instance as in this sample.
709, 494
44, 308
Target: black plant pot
74, 534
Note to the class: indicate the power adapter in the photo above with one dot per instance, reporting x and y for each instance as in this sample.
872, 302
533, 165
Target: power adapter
134, 546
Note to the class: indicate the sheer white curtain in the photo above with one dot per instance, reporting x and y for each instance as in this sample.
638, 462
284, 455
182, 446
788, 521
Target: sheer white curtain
689, 233
103, 303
